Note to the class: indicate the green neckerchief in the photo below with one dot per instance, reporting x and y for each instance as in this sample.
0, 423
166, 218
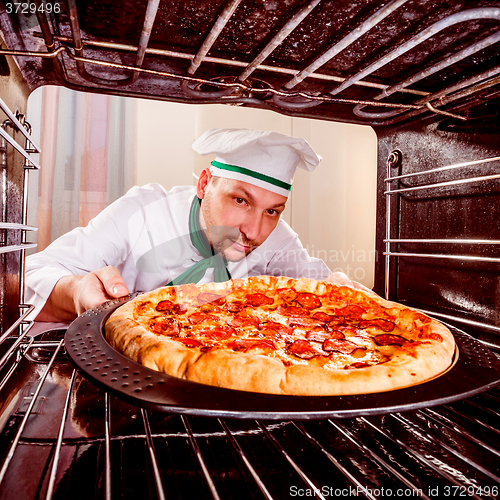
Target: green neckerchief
211, 259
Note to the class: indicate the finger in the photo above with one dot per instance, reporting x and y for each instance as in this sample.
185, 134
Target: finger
90, 293
359, 286
112, 281
90, 302
340, 279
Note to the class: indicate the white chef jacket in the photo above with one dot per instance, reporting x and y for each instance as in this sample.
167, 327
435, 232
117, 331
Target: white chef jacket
145, 234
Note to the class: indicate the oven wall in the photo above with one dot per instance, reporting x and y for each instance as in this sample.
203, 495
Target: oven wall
457, 287
14, 92
332, 209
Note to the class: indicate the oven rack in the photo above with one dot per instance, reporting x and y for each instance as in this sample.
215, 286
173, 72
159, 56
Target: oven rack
394, 159
24, 128
454, 447
13, 338
71, 52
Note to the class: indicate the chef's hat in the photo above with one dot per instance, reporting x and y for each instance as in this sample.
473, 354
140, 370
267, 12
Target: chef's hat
265, 159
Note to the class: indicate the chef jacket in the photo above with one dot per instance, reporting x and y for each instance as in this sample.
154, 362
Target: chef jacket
145, 234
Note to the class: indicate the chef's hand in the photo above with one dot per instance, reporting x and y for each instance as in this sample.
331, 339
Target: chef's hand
98, 287
339, 278
73, 295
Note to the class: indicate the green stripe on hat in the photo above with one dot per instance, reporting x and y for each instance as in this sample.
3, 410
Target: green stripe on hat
251, 173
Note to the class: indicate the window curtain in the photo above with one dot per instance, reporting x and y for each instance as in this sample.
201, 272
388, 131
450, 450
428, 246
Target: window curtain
88, 157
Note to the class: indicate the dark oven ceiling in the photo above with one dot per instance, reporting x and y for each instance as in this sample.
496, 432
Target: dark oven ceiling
367, 62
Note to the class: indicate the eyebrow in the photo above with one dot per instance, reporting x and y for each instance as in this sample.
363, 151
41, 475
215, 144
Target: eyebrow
278, 205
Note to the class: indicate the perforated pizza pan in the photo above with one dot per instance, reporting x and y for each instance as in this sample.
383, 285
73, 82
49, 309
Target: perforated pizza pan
476, 369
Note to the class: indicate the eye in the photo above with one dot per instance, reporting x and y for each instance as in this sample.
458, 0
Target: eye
240, 201
273, 213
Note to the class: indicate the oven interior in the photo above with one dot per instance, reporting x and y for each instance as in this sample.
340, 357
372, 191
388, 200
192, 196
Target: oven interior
425, 75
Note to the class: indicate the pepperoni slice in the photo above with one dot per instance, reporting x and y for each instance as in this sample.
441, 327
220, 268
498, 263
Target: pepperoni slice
272, 328
165, 305
168, 307
305, 322
321, 316
288, 294
386, 326
210, 297
165, 326
259, 299
317, 335
210, 309
308, 300
351, 311
234, 307
198, 317
389, 339
218, 332
238, 321
248, 344
304, 350
190, 342
339, 345
293, 311
335, 334
431, 336
346, 329
340, 320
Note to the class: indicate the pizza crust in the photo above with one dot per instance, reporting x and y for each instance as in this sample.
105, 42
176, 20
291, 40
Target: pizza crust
425, 360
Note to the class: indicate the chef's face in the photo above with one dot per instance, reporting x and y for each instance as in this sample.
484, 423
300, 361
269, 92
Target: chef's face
237, 216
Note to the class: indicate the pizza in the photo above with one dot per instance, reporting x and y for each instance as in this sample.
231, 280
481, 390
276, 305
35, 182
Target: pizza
281, 335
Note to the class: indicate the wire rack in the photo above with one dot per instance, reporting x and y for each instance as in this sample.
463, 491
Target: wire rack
423, 181
79, 442
61, 437
20, 326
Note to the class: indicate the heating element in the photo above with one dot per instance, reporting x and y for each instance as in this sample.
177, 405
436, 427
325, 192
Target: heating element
370, 62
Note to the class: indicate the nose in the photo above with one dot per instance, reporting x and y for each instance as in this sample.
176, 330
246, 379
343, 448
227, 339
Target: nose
251, 226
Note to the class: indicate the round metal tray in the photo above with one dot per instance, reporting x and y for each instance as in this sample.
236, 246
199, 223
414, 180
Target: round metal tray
475, 370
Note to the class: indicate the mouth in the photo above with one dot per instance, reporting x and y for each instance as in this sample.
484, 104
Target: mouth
240, 247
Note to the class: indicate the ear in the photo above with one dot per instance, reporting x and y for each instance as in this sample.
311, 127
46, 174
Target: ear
203, 182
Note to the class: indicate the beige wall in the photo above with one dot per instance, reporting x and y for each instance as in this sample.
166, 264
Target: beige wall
332, 209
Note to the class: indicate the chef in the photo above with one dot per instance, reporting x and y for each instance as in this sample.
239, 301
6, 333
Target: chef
227, 226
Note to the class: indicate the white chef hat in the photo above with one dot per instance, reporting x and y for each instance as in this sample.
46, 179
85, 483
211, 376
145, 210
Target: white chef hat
264, 159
